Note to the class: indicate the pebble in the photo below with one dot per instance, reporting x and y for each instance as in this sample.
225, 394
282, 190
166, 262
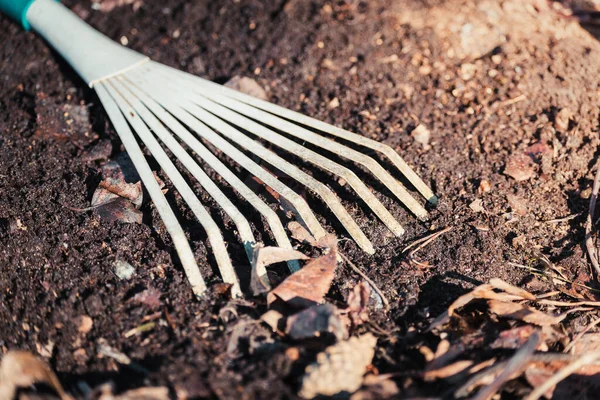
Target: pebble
519, 167
124, 270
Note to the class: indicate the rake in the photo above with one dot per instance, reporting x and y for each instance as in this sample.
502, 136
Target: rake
167, 108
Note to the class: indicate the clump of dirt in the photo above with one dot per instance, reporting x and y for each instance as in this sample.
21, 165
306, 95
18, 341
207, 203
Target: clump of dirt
490, 81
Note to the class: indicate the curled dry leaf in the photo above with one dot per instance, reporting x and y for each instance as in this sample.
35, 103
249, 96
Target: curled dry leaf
340, 368
357, 303
508, 288
315, 320
119, 209
20, 369
309, 285
523, 313
263, 256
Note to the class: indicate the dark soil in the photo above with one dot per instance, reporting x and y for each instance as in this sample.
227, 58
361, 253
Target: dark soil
486, 78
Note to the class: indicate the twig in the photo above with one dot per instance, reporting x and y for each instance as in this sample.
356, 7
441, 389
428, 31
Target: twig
514, 100
589, 242
570, 304
580, 334
366, 278
420, 243
564, 219
563, 374
475, 380
515, 366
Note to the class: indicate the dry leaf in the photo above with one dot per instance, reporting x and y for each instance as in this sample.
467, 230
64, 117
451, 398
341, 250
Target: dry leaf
448, 371
20, 369
375, 388
314, 321
523, 313
508, 288
263, 256
513, 338
119, 209
357, 303
309, 285
586, 380
340, 368
300, 233
587, 343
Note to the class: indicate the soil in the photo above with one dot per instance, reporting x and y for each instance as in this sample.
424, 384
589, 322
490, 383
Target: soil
490, 80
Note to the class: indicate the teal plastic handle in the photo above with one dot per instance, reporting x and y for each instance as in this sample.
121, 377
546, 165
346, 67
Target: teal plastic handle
17, 10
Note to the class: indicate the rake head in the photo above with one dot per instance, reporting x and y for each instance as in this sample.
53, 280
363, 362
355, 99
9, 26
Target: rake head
162, 104
167, 107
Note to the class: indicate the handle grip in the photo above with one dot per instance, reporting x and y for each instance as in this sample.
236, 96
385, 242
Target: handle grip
17, 10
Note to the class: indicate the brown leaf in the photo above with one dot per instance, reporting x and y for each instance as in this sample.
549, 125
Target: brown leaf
375, 388
508, 288
587, 343
523, 313
340, 368
20, 369
121, 210
448, 371
357, 303
315, 320
586, 379
309, 285
263, 256
300, 233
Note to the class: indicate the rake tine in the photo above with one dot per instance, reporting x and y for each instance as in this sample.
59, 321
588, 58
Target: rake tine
182, 246
390, 153
315, 158
153, 114
197, 125
320, 189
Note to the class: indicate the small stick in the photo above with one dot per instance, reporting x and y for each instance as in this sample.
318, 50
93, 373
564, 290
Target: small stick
420, 243
386, 303
514, 366
563, 374
589, 242
563, 219
580, 334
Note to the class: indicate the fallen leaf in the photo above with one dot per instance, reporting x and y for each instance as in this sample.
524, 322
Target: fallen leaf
114, 184
300, 233
21, 369
340, 368
100, 151
376, 387
248, 86
357, 303
448, 371
263, 256
315, 320
85, 324
587, 343
513, 338
523, 313
508, 288
119, 209
519, 167
309, 285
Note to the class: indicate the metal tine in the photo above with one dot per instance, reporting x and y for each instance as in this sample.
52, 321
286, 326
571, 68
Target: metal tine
162, 97
153, 114
212, 230
319, 188
382, 148
321, 161
182, 246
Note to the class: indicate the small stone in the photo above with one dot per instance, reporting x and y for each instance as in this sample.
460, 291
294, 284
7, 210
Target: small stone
519, 167
484, 186
561, 121
335, 103
421, 135
85, 324
248, 86
124, 270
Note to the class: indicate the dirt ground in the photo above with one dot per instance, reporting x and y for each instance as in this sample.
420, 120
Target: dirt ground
507, 89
